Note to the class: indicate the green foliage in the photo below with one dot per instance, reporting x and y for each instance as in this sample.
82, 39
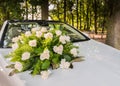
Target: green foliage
27, 65
68, 58
16, 55
36, 67
56, 59
39, 53
45, 65
85, 15
35, 3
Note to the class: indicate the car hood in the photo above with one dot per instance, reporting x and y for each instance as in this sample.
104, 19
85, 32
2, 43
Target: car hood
101, 67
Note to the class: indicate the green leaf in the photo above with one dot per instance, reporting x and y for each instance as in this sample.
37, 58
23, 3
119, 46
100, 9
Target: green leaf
15, 58
78, 59
38, 50
45, 65
36, 68
7, 56
55, 58
10, 66
13, 72
27, 65
55, 66
55, 41
68, 58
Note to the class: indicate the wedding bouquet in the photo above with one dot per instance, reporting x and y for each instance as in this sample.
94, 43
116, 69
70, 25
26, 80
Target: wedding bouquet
40, 50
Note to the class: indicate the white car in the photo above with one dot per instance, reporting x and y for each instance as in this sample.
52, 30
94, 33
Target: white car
101, 65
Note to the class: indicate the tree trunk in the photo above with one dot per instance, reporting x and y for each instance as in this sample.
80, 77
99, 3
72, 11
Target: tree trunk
87, 18
58, 15
72, 19
80, 15
32, 13
44, 9
77, 13
64, 10
95, 16
103, 25
113, 31
26, 9
113, 25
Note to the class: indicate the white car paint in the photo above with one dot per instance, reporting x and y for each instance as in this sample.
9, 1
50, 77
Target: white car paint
100, 68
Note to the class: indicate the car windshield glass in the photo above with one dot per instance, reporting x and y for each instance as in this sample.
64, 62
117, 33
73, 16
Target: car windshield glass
74, 34
15, 29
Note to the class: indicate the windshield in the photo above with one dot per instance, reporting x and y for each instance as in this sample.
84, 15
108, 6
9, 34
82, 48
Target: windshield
15, 29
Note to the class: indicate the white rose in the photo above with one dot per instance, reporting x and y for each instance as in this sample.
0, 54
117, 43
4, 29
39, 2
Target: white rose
20, 37
64, 64
58, 32
43, 29
45, 55
62, 39
15, 39
58, 49
28, 33
38, 34
45, 74
67, 38
14, 46
74, 52
25, 55
33, 43
18, 66
35, 29
48, 35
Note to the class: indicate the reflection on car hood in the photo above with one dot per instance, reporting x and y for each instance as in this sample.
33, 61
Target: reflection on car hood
100, 68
